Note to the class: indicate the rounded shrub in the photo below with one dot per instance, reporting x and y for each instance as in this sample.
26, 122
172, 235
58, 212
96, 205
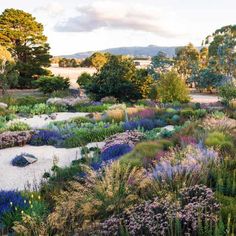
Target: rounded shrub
145, 152
170, 88
50, 84
220, 140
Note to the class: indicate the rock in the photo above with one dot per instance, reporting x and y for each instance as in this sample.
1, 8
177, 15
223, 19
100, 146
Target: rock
3, 105
23, 160
53, 116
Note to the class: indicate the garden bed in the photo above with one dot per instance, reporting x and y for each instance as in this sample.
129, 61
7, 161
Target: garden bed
31, 176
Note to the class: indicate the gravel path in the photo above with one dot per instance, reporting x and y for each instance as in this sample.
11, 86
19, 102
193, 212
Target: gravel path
18, 178
202, 98
41, 121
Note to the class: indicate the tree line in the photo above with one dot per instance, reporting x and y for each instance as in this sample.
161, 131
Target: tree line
25, 57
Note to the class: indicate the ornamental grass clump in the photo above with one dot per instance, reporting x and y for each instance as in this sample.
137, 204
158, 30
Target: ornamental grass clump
81, 205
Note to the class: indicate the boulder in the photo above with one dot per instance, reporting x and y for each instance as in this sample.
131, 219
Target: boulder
3, 105
24, 160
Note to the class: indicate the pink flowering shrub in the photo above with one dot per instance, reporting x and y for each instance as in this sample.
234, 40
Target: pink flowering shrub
129, 137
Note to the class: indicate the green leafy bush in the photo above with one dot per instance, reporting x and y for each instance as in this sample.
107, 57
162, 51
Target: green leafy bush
144, 152
220, 140
37, 109
170, 88
50, 84
87, 135
91, 108
187, 112
18, 126
227, 93
29, 100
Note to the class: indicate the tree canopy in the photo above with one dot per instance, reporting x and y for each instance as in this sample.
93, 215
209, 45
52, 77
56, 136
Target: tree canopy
222, 50
118, 78
23, 36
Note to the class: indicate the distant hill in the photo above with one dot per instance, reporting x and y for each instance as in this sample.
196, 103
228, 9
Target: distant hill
148, 51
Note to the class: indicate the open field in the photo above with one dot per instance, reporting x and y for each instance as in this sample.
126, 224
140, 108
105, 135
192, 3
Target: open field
71, 73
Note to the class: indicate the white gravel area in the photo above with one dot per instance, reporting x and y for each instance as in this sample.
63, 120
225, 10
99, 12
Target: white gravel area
203, 98
41, 121
20, 177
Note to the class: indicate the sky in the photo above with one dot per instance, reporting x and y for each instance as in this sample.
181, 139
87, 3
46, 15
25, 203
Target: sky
87, 25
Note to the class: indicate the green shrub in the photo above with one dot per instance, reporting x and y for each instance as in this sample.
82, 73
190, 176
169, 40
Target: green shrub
144, 152
187, 112
50, 84
227, 93
81, 120
18, 126
30, 100
170, 88
37, 109
91, 108
84, 136
228, 210
199, 113
220, 140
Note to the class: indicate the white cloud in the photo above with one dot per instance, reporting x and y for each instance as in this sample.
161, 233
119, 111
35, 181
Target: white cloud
117, 15
52, 9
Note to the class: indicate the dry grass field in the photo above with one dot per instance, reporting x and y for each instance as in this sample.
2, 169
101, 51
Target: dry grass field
71, 73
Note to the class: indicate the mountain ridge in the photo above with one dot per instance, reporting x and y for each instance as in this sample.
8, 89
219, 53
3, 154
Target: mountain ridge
136, 51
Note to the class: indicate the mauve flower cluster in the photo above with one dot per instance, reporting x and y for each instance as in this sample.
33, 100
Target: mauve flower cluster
187, 140
129, 137
144, 114
196, 206
189, 161
10, 201
198, 202
46, 137
111, 154
146, 124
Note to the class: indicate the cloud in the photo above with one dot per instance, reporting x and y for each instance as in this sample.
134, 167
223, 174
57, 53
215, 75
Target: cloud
115, 15
52, 9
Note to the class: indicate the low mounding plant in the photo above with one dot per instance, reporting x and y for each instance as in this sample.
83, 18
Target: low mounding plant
111, 154
170, 88
46, 137
146, 124
109, 100
50, 84
145, 152
195, 207
115, 151
227, 93
220, 140
91, 133
18, 126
